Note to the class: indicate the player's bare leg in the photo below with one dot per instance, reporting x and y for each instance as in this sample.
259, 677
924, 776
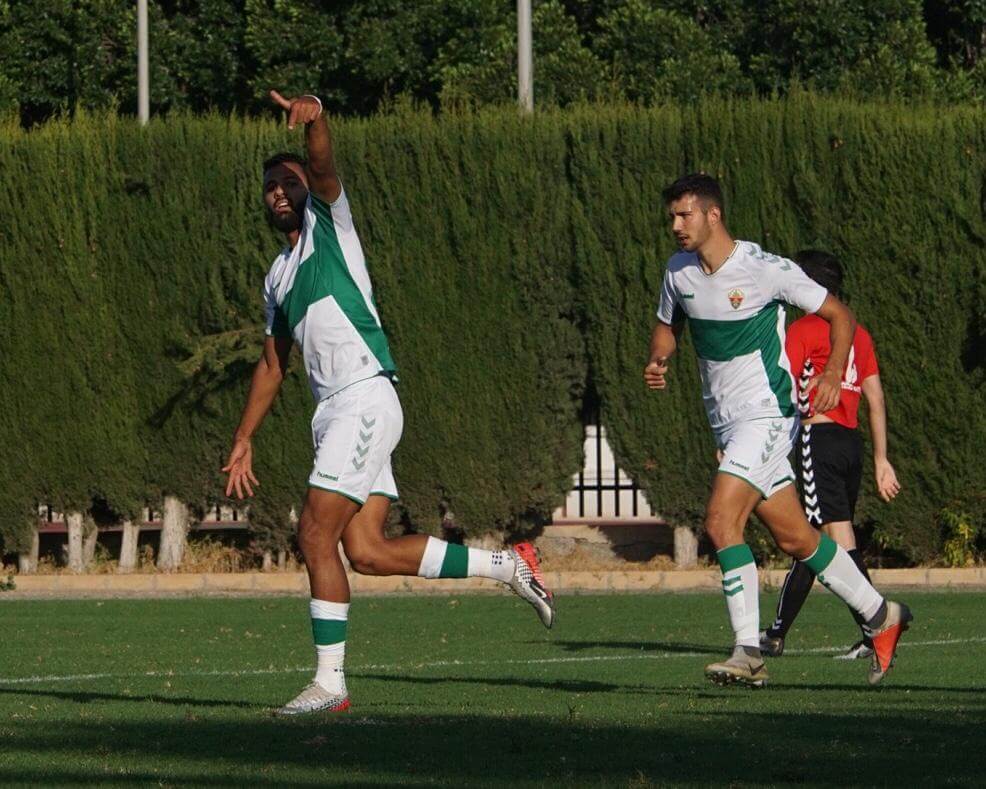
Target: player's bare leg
371, 552
727, 512
322, 523
885, 621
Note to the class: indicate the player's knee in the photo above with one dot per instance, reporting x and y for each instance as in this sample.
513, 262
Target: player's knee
721, 527
363, 562
315, 537
799, 546
364, 557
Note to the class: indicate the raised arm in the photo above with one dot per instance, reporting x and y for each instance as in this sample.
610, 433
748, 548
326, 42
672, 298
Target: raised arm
842, 324
322, 177
886, 478
266, 382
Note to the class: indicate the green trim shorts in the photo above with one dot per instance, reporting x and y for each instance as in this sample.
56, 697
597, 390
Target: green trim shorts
757, 451
354, 432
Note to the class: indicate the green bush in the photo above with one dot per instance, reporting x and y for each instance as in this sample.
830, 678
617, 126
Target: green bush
896, 192
514, 258
131, 302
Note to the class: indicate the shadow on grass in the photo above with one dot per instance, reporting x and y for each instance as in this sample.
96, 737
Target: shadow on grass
674, 647
564, 685
915, 746
88, 696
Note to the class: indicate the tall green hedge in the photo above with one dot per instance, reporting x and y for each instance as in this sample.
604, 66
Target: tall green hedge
514, 260
131, 311
897, 192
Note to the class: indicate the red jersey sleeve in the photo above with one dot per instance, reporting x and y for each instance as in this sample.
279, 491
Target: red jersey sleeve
866, 363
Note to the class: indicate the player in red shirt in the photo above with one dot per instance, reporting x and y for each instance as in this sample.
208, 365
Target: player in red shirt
829, 452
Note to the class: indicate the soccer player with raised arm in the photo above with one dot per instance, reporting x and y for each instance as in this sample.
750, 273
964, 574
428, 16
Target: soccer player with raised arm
732, 294
318, 296
829, 452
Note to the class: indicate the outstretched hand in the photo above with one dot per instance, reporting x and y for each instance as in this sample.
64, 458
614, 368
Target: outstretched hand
239, 466
303, 109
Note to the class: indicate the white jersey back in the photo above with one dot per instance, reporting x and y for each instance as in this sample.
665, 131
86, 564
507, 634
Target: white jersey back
319, 293
736, 320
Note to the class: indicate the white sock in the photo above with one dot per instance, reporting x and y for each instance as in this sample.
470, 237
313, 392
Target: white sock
839, 574
329, 625
498, 565
447, 560
741, 585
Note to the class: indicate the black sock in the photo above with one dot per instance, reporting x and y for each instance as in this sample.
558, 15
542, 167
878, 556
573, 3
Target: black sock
794, 592
855, 555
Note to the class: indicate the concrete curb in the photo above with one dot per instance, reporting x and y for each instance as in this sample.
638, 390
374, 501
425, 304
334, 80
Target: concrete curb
255, 583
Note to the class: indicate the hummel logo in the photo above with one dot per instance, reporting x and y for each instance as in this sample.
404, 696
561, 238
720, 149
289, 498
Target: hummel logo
688, 295
739, 465
326, 476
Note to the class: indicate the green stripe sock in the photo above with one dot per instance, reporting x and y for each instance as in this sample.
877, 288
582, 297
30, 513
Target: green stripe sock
329, 621
741, 587
838, 573
456, 562
823, 555
328, 631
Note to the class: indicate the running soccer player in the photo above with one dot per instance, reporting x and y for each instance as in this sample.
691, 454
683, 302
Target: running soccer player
731, 293
318, 295
828, 455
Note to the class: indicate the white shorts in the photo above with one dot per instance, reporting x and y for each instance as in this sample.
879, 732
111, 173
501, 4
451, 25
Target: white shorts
354, 432
757, 451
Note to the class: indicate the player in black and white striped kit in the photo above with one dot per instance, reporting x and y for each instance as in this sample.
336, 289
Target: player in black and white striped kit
829, 449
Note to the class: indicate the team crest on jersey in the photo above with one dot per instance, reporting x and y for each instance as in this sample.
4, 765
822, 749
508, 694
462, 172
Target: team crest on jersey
736, 297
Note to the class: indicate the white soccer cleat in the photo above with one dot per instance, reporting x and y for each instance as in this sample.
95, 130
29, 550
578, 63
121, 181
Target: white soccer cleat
315, 698
528, 582
738, 669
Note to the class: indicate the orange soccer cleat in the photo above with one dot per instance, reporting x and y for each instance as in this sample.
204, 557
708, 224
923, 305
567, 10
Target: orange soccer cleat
528, 582
885, 640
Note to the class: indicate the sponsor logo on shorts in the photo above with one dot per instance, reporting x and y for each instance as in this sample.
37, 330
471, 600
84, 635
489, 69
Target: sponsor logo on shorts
739, 465
736, 297
326, 476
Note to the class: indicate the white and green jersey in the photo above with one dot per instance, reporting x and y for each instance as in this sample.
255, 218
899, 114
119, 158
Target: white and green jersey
319, 293
736, 319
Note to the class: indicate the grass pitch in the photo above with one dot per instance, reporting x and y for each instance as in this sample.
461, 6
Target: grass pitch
473, 691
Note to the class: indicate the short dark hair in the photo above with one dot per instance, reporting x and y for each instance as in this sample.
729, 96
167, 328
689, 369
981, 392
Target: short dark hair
822, 267
281, 158
703, 186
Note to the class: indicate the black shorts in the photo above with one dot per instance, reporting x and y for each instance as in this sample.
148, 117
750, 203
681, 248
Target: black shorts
829, 464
